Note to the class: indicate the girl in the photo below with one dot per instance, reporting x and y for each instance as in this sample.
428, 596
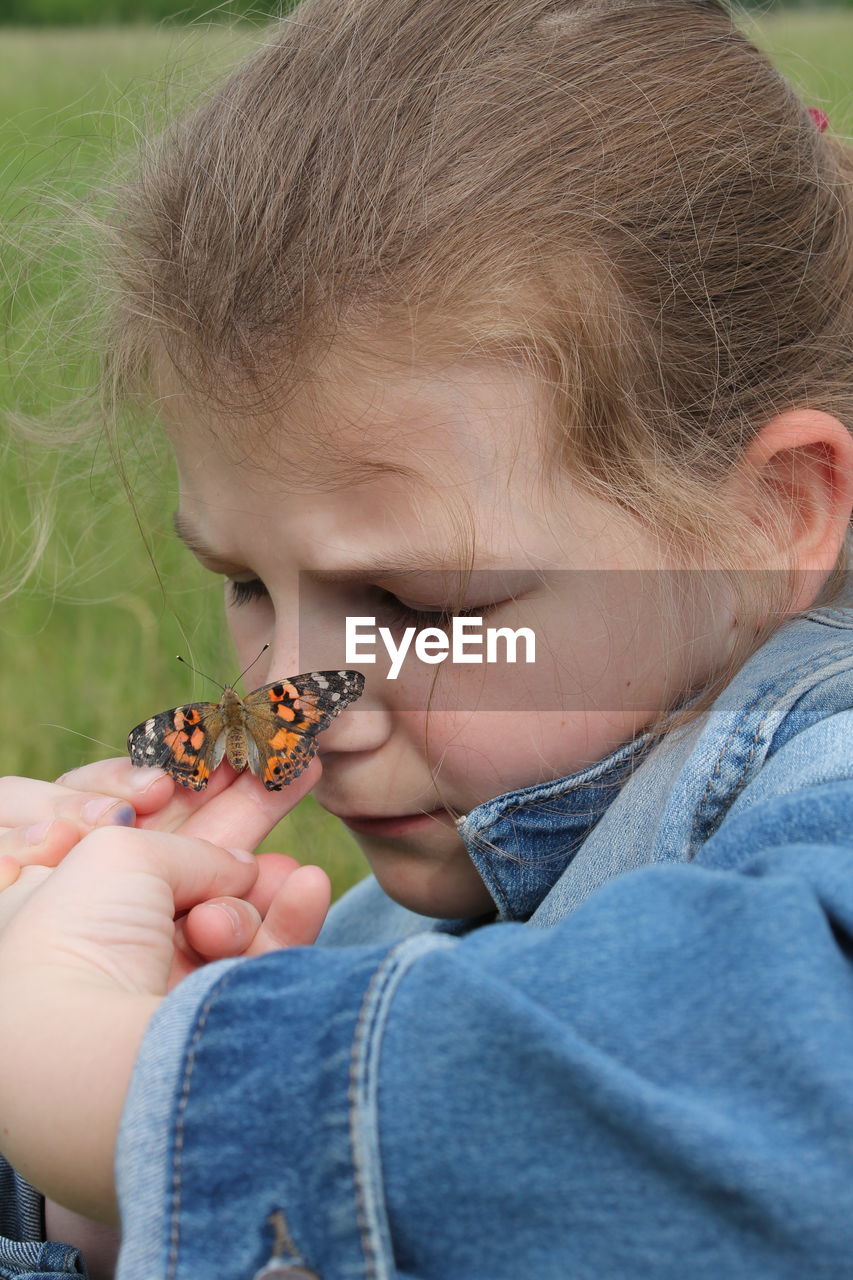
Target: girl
538, 313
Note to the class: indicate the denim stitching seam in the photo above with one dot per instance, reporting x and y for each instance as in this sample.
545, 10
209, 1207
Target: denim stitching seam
183, 1102
814, 666
377, 983
373, 1009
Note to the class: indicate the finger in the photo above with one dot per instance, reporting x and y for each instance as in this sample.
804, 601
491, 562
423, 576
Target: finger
185, 802
146, 789
221, 927
193, 869
157, 792
273, 870
296, 914
10, 869
230, 927
29, 801
109, 906
44, 843
245, 812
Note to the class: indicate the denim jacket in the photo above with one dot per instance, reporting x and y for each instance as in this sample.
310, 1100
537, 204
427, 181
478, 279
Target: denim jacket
640, 1066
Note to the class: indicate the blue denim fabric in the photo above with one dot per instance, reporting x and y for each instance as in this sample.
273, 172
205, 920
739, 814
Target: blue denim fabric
24, 1253
642, 1068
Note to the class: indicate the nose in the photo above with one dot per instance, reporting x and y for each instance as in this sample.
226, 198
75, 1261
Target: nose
283, 658
357, 729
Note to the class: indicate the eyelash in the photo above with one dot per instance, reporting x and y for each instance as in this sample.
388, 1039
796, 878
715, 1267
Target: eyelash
403, 615
398, 614
246, 591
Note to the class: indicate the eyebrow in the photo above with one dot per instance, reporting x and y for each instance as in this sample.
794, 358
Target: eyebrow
193, 540
415, 564
384, 569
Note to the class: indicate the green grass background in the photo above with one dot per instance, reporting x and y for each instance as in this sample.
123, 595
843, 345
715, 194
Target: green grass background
87, 643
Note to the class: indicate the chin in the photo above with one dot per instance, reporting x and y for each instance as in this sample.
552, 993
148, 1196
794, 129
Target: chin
440, 890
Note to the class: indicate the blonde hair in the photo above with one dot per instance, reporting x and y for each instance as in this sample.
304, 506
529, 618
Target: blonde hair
627, 197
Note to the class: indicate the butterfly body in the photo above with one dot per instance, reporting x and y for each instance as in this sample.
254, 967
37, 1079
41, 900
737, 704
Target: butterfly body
234, 715
272, 731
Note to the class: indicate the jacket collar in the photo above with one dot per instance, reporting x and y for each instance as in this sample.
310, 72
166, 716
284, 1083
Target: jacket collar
522, 842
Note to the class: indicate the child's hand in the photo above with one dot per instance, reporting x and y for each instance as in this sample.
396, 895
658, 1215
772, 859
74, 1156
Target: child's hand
84, 963
40, 822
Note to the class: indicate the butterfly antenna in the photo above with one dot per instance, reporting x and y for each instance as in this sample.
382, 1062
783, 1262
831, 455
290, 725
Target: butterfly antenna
251, 664
201, 673
64, 727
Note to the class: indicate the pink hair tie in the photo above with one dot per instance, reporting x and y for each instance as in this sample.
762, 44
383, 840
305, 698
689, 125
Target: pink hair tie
820, 118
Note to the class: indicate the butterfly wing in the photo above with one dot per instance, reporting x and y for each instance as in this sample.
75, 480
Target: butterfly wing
188, 742
282, 721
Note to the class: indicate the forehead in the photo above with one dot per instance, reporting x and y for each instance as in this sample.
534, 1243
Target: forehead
353, 420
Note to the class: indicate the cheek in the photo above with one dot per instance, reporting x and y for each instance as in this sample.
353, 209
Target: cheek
483, 754
251, 625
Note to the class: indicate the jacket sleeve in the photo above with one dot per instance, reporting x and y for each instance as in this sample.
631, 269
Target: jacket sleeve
24, 1253
660, 1083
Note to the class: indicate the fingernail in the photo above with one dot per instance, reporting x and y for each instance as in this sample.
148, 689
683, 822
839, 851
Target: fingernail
142, 779
231, 913
242, 855
37, 832
108, 811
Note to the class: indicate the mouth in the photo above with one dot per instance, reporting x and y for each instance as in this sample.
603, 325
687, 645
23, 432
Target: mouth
402, 824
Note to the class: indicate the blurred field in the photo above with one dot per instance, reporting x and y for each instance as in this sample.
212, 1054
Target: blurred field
87, 647
87, 644
69, 13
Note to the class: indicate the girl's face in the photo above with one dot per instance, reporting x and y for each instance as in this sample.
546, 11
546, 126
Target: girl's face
360, 500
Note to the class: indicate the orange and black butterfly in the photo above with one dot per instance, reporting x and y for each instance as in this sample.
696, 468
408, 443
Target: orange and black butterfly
273, 730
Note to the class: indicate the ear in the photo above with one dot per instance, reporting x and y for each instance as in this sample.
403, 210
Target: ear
795, 482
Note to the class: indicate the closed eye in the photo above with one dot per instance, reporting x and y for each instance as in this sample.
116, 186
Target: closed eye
404, 615
244, 591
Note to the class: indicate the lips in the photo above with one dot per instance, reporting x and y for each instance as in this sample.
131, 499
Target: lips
401, 824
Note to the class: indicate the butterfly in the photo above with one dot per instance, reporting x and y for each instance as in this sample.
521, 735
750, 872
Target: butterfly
272, 730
